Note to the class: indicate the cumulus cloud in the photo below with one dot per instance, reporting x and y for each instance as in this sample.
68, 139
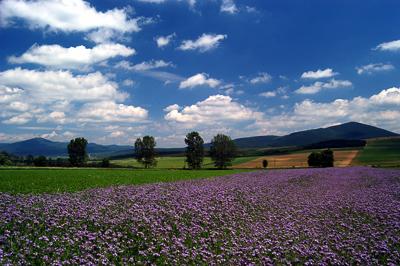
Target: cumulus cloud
326, 73
48, 86
263, 77
392, 46
77, 57
381, 109
109, 111
66, 16
216, 109
164, 40
172, 108
318, 86
229, 6
372, 68
205, 42
201, 79
56, 96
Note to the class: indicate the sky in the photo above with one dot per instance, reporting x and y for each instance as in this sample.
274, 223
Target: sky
115, 70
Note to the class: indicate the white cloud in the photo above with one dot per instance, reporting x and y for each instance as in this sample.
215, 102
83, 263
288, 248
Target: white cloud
229, 6
128, 82
19, 119
318, 86
326, 73
371, 68
191, 3
281, 91
164, 40
109, 111
71, 58
262, 77
65, 15
381, 109
216, 109
51, 86
268, 94
144, 66
204, 43
200, 79
61, 97
172, 108
392, 46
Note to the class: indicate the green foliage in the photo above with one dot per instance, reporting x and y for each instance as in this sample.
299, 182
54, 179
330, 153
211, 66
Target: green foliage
40, 161
265, 163
105, 163
5, 159
42, 180
222, 151
77, 151
194, 150
145, 151
324, 158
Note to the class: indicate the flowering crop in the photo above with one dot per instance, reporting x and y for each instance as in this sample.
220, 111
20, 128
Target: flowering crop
308, 216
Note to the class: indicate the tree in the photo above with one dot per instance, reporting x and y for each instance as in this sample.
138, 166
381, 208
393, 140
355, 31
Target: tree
77, 151
40, 161
321, 159
222, 151
145, 151
327, 158
194, 150
5, 159
265, 163
105, 163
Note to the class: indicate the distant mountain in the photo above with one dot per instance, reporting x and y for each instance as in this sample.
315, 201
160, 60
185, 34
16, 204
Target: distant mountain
40, 146
347, 131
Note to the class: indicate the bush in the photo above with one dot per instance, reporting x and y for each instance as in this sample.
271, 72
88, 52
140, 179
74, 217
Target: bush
105, 163
265, 163
40, 161
321, 159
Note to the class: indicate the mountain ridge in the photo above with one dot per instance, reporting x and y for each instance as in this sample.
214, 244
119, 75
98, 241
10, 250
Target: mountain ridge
349, 131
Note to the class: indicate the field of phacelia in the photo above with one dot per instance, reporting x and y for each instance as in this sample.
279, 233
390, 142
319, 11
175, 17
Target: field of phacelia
341, 216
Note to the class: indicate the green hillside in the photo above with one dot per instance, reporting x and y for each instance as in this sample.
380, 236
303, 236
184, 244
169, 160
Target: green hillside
381, 152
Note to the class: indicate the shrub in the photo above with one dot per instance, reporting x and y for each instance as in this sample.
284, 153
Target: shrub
321, 159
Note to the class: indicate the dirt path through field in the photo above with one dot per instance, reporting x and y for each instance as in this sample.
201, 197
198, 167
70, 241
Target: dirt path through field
342, 159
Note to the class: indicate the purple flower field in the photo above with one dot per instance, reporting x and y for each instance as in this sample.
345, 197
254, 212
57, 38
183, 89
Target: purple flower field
313, 216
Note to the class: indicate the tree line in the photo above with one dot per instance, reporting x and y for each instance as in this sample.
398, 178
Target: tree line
222, 151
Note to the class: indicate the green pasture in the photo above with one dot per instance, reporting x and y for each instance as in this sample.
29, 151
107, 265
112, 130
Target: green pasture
40, 180
178, 162
380, 152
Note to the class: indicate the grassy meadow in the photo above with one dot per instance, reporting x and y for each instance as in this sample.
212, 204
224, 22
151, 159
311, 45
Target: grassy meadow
46, 180
175, 162
380, 152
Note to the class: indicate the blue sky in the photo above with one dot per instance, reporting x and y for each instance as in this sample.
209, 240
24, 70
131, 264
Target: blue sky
115, 70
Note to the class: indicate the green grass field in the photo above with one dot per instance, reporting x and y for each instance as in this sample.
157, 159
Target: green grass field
169, 162
37, 180
380, 152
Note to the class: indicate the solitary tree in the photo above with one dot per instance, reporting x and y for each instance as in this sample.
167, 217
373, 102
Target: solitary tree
194, 150
77, 151
321, 159
145, 151
222, 151
265, 163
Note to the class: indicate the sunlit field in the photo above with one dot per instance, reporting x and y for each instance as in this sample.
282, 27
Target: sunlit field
37, 180
339, 216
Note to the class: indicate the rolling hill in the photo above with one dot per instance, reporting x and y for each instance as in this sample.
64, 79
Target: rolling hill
347, 131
